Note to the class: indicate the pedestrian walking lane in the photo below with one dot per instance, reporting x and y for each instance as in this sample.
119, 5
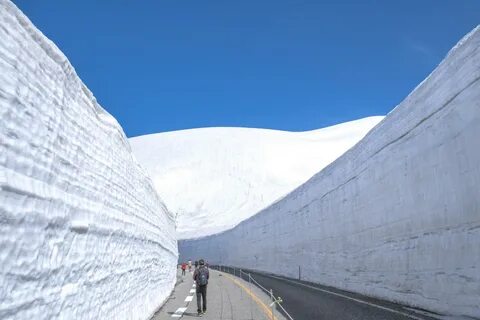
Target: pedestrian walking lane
228, 297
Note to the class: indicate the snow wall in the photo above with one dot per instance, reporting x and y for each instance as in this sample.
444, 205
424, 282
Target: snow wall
83, 234
396, 217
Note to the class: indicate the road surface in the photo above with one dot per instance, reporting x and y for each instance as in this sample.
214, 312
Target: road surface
231, 296
228, 297
304, 300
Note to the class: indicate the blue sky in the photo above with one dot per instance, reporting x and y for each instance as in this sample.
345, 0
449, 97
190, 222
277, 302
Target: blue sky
162, 65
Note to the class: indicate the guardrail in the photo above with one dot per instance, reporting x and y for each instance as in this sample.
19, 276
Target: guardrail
247, 276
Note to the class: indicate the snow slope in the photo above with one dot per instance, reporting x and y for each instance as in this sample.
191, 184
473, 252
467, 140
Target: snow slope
83, 233
397, 216
214, 178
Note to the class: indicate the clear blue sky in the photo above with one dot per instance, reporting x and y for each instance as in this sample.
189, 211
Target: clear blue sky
162, 65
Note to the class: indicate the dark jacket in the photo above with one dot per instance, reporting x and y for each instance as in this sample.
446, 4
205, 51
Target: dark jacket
201, 269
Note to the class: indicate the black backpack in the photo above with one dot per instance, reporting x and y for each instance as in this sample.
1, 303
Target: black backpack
202, 278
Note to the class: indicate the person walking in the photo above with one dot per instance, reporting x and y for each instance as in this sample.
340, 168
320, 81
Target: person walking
196, 264
184, 267
201, 276
190, 265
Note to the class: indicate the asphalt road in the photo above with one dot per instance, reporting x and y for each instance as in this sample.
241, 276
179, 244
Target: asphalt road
304, 301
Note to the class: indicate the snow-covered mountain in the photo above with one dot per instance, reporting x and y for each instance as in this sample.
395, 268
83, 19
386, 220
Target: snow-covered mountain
214, 178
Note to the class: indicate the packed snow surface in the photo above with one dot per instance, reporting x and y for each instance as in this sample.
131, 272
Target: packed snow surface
214, 178
396, 217
83, 233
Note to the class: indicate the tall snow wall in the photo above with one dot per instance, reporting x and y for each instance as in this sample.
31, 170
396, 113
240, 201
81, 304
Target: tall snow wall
83, 234
397, 216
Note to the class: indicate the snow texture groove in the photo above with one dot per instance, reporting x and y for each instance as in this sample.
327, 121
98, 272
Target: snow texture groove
83, 233
396, 217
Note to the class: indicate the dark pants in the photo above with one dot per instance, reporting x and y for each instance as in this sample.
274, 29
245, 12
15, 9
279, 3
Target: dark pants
201, 293
183, 272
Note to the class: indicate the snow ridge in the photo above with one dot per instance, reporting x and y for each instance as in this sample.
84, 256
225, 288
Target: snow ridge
83, 233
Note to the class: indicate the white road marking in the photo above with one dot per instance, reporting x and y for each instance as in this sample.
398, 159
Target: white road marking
188, 298
350, 298
194, 285
179, 313
192, 290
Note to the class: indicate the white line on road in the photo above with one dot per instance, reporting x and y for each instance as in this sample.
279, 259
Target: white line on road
192, 290
194, 285
188, 298
350, 298
179, 313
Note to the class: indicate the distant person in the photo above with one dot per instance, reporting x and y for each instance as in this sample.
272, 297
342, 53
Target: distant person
184, 267
201, 276
196, 264
190, 265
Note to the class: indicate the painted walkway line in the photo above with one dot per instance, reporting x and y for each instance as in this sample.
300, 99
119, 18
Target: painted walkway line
179, 313
188, 298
